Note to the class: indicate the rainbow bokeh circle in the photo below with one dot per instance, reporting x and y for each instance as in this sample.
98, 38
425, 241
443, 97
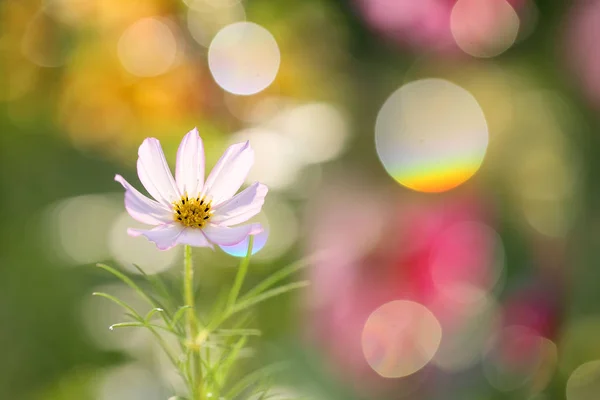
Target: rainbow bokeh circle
431, 135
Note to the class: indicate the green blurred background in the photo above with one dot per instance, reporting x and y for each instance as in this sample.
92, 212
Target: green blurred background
83, 82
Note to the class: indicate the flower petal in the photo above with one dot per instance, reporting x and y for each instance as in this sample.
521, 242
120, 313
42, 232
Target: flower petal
164, 236
142, 208
194, 237
241, 207
154, 172
228, 236
189, 172
229, 173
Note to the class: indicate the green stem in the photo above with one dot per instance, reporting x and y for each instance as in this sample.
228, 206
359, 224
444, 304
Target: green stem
192, 325
241, 275
164, 346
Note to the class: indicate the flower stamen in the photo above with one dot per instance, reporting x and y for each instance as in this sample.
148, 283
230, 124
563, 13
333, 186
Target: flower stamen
192, 213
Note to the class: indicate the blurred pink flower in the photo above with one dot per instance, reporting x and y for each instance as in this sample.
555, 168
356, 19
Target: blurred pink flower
537, 303
523, 350
582, 48
536, 306
374, 248
187, 209
422, 24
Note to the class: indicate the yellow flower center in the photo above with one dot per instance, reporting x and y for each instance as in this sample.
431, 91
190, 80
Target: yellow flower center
192, 212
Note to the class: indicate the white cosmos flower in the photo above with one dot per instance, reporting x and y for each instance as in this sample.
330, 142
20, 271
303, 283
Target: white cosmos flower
188, 209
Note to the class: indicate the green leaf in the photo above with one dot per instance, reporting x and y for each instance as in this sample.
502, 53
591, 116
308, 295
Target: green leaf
130, 315
126, 306
129, 283
127, 325
227, 361
159, 285
267, 295
152, 312
238, 332
142, 325
241, 275
210, 373
218, 309
275, 277
252, 377
211, 344
178, 315
265, 389
152, 328
264, 394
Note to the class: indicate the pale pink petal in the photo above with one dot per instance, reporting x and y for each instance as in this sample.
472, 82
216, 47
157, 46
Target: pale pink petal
229, 173
189, 172
164, 236
228, 236
142, 208
154, 172
241, 207
194, 237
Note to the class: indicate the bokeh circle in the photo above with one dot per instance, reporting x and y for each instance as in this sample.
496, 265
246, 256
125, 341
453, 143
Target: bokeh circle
244, 58
148, 48
400, 338
484, 29
431, 135
584, 382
